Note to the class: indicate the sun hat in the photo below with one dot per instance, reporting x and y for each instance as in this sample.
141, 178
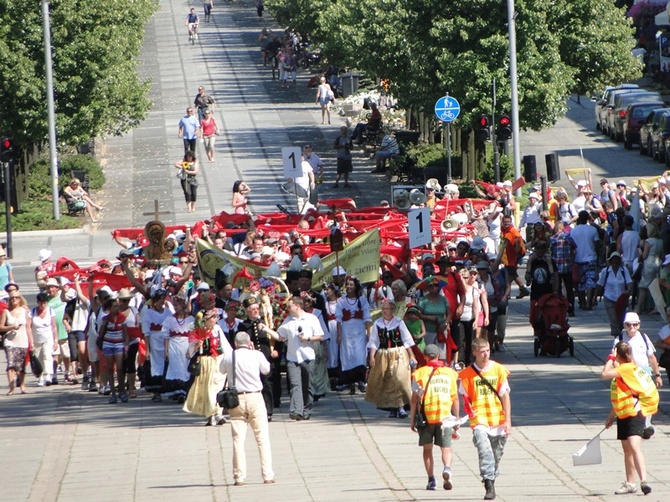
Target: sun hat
478, 244
631, 318
52, 281
534, 195
43, 254
582, 183
339, 271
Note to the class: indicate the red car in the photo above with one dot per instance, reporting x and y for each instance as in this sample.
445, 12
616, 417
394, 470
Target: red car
635, 118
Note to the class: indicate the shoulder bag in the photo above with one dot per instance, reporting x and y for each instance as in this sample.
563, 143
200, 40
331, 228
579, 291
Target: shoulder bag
227, 397
420, 421
487, 383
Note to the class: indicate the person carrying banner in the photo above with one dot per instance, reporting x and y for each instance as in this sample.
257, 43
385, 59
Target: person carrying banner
634, 396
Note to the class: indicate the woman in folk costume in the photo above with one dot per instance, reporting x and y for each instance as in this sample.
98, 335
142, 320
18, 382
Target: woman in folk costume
634, 396
176, 329
320, 382
210, 345
390, 359
353, 328
153, 315
332, 292
230, 324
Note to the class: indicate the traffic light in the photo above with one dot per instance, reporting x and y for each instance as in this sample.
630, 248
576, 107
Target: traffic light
504, 128
483, 128
7, 150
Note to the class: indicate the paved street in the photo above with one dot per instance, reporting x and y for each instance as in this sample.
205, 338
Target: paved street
63, 444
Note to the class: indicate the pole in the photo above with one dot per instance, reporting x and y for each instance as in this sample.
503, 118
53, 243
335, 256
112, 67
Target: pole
8, 212
448, 152
511, 24
543, 187
494, 138
51, 114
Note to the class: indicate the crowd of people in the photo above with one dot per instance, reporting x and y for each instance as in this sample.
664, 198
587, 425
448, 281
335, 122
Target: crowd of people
415, 342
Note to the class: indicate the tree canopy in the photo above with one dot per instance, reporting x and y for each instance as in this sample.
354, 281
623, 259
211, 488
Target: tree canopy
429, 47
96, 87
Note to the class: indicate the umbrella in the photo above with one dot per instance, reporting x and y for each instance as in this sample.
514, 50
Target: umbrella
421, 285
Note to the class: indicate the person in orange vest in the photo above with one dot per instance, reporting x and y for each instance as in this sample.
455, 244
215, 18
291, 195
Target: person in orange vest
434, 396
634, 396
486, 399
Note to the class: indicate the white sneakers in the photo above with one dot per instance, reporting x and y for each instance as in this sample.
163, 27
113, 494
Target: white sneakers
446, 477
626, 488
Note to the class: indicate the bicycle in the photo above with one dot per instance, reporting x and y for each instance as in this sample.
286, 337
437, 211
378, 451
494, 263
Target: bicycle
192, 32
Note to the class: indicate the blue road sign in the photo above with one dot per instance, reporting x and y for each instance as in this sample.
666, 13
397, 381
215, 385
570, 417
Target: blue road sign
447, 109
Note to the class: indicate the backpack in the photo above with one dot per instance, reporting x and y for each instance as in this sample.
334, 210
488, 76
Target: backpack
540, 271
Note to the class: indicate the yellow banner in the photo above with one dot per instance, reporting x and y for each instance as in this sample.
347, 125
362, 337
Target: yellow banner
579, 173
360, 258
647, 182
211, 259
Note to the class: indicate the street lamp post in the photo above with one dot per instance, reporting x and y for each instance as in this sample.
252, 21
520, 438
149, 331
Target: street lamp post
511, 26
51, 114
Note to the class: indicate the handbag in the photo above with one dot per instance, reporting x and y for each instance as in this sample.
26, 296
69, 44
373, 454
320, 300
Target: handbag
664, 360
420, 421
227, 397
35, 365
192, 180
194, 366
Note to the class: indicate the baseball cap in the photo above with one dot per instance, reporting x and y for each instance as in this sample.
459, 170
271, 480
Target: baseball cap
432, 350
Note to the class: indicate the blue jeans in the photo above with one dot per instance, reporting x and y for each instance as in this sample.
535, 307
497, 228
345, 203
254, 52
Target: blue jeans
490, 450
300, 387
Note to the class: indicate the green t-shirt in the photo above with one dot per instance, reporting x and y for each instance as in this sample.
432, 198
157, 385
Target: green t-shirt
58, 307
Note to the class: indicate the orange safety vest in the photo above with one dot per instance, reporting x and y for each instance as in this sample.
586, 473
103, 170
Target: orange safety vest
485, 404
440, 394
633, 385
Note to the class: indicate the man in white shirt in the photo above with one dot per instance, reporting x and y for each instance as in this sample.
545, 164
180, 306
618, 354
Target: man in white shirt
300, 330
313, 159
628, 242
531, 215
304, 186
248, 365
586, 238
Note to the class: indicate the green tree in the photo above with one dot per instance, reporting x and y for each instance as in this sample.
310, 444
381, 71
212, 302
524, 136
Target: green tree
97, 90
429, 47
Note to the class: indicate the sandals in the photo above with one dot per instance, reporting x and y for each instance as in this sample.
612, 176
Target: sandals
132, 394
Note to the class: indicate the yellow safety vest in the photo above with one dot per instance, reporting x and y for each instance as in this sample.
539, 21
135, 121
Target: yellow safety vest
633, 385
440, 394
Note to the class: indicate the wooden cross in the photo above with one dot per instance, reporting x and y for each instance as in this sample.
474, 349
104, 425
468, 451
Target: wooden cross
156, 213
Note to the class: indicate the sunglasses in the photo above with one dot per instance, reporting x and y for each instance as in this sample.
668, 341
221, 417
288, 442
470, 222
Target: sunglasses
632, 324
124, 300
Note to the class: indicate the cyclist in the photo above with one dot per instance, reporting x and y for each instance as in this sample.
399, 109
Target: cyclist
192, 21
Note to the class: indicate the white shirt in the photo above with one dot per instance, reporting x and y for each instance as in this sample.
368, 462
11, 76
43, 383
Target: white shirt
292, 329
303, 181
640, 348
380, 324
616, 283
314, 161
630, 239
585, 236
249, 364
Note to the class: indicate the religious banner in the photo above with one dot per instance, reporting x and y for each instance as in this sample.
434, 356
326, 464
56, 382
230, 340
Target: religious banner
360, 257
211, 259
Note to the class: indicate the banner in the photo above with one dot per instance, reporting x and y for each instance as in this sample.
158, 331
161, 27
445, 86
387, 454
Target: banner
211, 259
360, 258
647, 183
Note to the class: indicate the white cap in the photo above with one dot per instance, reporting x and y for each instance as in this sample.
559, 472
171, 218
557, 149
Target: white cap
661, 180
667, 259
631, 317
534, 195
176, 271
582, 183
64, 281
107, 290
203, 286
267, 250
499, 185
621, 182
52, 281
507, 183
43, 254
339, 271
149, 274
655, 185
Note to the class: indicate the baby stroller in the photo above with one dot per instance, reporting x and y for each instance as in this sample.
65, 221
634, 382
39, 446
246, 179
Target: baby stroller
551, 327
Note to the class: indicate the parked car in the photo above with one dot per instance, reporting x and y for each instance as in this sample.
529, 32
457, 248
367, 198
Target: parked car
601, 101
659, 135
618, 113
609, 106
635, 116
650, 123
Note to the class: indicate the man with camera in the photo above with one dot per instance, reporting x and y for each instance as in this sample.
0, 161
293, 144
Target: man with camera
434, 396
248, 366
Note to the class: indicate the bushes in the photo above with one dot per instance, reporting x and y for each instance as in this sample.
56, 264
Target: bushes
36, 211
